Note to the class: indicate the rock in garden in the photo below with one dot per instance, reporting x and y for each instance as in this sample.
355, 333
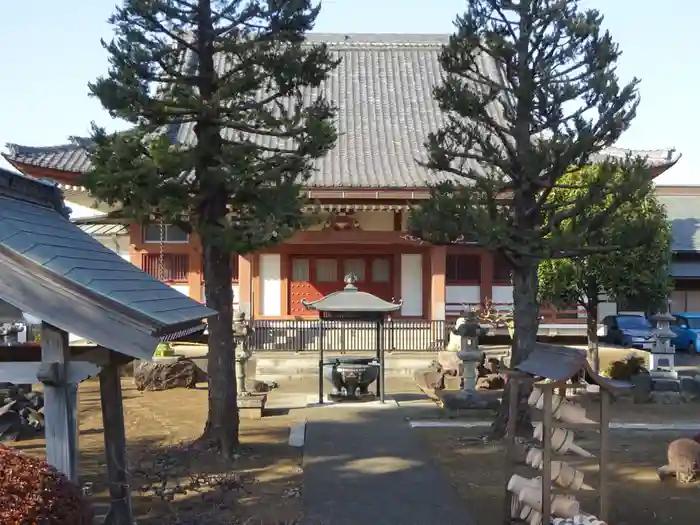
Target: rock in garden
259, 387
491, 382
690, 389
19, 417
10, 427
155, 375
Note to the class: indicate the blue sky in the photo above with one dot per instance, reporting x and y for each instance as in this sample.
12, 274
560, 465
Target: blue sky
50, 50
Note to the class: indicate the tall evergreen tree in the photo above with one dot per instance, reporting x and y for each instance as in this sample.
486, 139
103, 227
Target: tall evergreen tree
224, 135
530, 93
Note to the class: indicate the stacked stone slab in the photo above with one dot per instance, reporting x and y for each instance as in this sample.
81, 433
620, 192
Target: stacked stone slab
21, 413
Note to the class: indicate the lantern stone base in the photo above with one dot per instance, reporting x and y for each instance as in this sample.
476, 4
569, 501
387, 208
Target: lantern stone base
252, 406
456, 401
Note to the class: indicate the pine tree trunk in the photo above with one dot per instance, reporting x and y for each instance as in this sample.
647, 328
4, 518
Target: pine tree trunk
526, 317
221, 430
592, 334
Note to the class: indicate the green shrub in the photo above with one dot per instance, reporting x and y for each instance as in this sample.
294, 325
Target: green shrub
164, 350
624, 369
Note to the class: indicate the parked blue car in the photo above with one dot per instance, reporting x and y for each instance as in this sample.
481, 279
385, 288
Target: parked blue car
628, 330
687, 330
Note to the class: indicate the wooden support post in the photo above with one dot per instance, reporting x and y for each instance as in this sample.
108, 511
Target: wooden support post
380, 358
60, 402
547, 428
513, 387
321, 336
604, 455
115, 446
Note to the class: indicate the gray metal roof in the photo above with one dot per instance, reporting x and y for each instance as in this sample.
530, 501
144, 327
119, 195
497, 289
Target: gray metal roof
53, 270
684, 215
8, 313
350, 299
383, 91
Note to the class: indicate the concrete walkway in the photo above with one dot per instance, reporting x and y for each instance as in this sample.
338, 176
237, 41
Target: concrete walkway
365, 465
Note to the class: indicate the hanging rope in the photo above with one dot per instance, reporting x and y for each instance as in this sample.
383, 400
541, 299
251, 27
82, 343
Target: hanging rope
161, 255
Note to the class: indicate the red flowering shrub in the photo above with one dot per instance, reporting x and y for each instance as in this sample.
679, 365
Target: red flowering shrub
34, 493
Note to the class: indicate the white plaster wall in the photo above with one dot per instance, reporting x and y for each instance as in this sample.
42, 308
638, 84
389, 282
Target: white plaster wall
606, 308
502, 294
270, 269
412, 284
462, 294
184, 289
234, 289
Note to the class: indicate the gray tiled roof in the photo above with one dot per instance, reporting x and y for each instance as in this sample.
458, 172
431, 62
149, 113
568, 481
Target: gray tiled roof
684, 214
383, 91
67, 157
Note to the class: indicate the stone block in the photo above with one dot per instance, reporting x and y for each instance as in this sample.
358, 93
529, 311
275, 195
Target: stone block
690, 389
667, 398
252, 406
460, 400
665, 385
453, 382
641, 393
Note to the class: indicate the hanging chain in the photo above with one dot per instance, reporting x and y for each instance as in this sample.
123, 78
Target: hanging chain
161, 255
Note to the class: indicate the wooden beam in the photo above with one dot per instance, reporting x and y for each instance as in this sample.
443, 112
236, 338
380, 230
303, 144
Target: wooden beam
24, 353
26, 373
120, 512
60, 404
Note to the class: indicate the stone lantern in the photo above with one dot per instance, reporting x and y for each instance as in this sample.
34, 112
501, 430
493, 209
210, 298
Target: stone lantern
469, 353
662, 357
241, 334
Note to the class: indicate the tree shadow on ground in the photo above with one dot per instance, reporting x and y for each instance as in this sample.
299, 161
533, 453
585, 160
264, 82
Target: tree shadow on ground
185, 483
175, 483
477, 469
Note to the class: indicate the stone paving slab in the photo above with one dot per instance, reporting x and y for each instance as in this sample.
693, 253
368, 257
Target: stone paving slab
365, 465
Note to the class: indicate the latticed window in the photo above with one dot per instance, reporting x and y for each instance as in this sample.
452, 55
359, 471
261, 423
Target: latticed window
175, 266
234, 268
463, 269
381, 270
355, 266
502, 270
326, 270
171, 234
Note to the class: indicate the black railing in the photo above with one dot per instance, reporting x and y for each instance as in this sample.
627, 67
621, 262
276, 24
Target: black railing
349, 335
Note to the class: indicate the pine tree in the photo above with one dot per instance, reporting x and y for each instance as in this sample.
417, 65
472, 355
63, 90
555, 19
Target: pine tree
232, 74
511, 137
